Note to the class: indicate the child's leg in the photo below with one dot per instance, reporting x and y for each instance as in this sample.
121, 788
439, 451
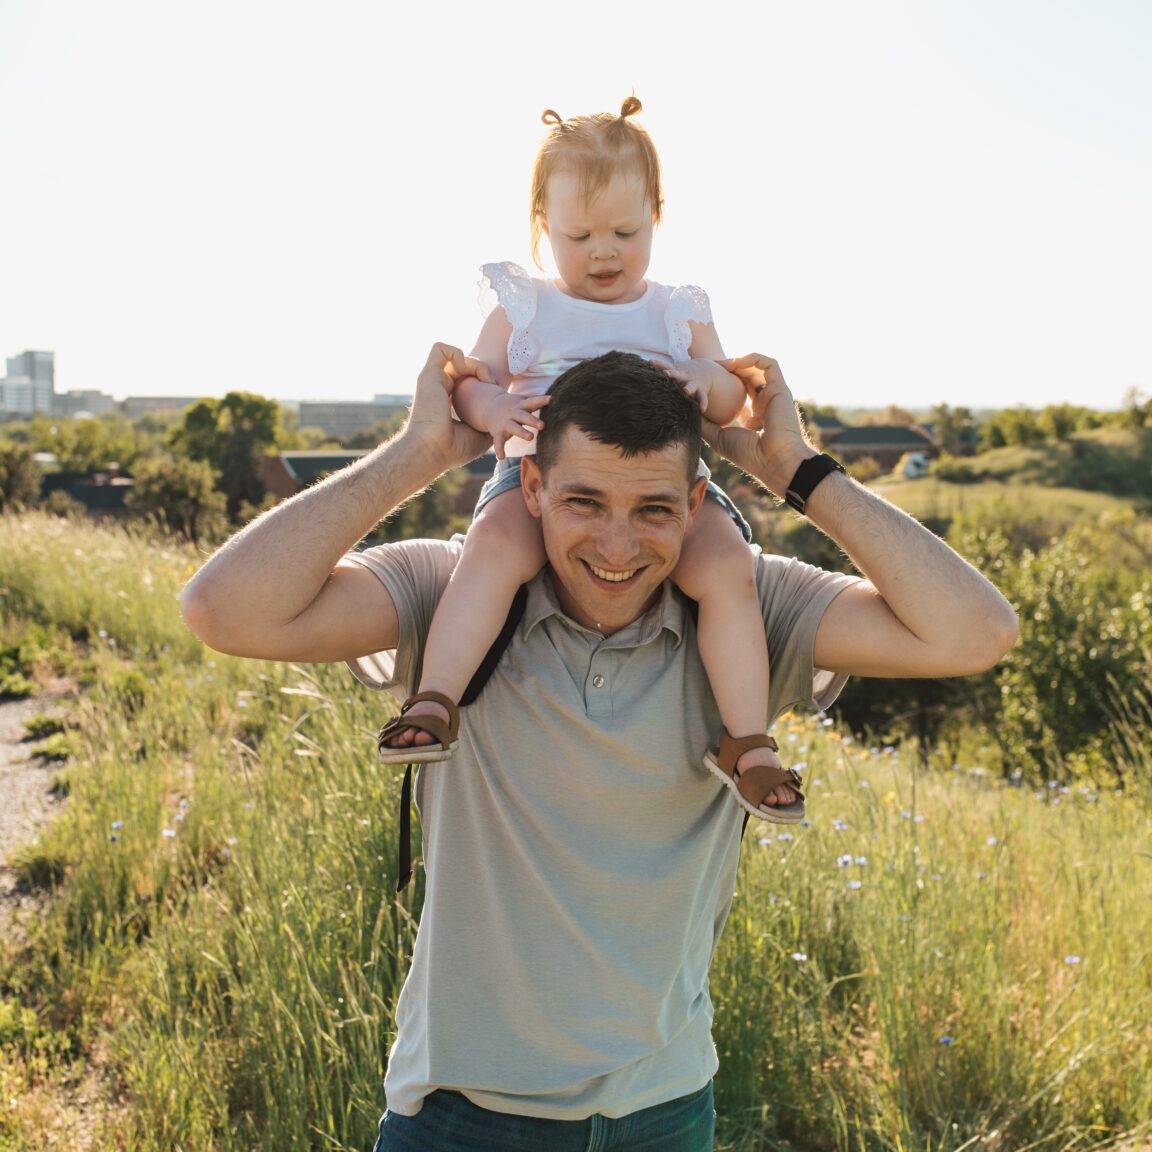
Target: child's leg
717, 569
502, 550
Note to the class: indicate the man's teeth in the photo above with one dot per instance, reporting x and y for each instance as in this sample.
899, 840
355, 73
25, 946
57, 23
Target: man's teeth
614, 577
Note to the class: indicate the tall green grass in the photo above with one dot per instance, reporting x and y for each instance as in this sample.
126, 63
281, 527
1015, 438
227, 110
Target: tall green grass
938, 962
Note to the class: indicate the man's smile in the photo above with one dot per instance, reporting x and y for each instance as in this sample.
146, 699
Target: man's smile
613, 577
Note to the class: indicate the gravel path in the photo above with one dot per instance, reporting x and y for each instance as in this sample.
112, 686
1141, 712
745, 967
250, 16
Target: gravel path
26, 799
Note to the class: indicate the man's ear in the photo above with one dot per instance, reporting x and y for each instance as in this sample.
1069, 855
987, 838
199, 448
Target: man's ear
696, 495
531, 484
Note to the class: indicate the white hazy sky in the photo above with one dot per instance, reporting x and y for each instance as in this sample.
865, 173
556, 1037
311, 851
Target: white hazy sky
904, 201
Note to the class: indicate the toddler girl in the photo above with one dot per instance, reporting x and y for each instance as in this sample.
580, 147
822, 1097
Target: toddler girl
596, 197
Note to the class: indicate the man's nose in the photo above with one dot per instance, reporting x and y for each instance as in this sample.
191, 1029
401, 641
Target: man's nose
617, 541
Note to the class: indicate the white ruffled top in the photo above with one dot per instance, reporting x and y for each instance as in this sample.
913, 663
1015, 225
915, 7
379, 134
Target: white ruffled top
552, 331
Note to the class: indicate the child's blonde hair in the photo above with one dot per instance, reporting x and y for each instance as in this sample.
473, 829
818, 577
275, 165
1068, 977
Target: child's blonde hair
594, 148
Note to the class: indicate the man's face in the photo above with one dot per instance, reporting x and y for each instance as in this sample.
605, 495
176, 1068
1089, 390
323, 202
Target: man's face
613, 527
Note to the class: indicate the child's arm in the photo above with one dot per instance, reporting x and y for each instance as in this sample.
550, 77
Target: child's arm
490, 407
720, 395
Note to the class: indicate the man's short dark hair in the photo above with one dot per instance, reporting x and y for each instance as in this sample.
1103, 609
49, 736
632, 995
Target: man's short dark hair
624, 401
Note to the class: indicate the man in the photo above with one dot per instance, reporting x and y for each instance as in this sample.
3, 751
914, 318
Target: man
580, 861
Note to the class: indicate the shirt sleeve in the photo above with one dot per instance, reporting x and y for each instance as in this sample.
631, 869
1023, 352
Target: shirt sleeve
793, 597
414, 573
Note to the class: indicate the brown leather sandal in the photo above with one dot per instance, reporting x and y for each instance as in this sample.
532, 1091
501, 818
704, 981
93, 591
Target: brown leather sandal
751, 786
443, 732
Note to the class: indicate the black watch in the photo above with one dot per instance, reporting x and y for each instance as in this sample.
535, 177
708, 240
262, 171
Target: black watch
808, 475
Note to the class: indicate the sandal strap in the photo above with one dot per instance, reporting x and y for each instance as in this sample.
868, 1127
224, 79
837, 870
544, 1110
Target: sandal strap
443, 732
733, 747
760, 779
448, 705
757, 782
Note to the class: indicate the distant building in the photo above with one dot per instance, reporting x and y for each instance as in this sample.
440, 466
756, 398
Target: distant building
84, 402
136, 406
885, 443
286, 473
343, 418
29, 386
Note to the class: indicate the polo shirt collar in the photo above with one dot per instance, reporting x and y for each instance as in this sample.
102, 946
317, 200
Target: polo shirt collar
669, 612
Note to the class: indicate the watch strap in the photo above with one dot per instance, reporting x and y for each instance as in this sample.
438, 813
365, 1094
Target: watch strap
808, 475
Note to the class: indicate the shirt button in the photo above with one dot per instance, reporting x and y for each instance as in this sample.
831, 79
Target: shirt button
597, 681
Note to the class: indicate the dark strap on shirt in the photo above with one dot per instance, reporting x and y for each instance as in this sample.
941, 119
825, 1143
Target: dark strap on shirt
475, 687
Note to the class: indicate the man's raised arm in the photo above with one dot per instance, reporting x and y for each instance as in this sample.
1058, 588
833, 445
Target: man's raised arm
922, 610
278, 590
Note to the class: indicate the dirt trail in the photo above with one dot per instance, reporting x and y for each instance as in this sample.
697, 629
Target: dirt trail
27, 802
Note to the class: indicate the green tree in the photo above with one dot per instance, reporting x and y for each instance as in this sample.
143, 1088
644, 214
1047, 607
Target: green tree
954, 430
1085, 639
231, 435
88, 444
19, 478
181, 494
1011, 426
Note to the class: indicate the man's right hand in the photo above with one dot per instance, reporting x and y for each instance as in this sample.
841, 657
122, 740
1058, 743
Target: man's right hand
448, 442
771, 443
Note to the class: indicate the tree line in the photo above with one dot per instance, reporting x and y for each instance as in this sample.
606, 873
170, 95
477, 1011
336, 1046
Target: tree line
1070, 702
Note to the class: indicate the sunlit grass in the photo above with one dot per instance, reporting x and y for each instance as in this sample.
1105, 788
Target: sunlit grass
936, 962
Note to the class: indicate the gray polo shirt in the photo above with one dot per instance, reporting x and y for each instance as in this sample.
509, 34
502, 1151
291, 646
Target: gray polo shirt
580, 860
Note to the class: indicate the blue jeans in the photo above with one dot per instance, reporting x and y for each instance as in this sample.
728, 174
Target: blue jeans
449, 1122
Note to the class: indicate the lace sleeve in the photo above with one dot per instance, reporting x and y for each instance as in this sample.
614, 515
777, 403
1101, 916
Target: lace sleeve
687, 303
508, 285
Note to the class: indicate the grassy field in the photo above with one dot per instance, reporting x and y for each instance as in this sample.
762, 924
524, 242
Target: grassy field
938, 962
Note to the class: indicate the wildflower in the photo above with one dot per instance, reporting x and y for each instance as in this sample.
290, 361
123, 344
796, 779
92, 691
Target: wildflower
113, 837
117, 823
168, 833
1071, 959
992, 841
764, 841
844, 861
946, 1041
800, 957
865, 784
103, 634
861, 861
784, 836
853, 885
232, 841
840, 825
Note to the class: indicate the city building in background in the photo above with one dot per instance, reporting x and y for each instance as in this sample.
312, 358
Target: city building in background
29, 389
29, 386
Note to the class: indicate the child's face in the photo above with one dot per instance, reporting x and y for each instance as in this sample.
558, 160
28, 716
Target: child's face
601, 246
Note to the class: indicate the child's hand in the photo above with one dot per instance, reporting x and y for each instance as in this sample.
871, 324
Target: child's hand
509, 415
697, 378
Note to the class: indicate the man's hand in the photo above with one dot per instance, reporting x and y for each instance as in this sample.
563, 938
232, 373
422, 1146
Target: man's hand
448, 442
771, 444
